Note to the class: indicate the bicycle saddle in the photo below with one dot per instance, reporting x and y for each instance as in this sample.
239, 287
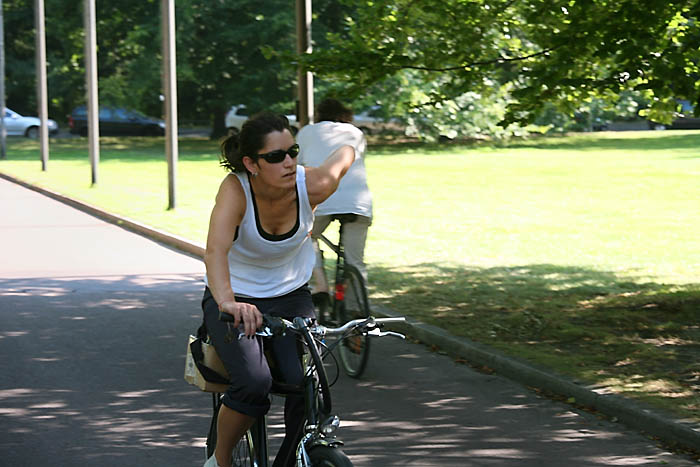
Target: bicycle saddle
343, 218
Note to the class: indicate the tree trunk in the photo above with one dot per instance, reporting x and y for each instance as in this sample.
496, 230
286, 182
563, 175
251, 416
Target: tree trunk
218, 127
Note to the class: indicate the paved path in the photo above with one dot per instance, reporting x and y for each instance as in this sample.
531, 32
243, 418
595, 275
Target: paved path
93, 322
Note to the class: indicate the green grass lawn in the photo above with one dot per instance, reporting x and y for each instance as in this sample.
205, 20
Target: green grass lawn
579, 253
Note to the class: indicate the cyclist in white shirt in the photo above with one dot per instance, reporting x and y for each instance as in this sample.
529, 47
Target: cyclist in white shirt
317, 142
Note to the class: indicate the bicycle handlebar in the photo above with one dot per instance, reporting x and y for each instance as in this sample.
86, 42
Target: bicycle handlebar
310, 330
371, 323
273, 326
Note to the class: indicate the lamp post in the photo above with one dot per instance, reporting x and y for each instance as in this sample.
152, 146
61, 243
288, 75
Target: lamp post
42, 93
93, 111
305, 78
3, 130
170, 91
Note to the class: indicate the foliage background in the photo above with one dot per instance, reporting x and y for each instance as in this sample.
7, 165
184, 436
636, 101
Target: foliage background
456, 68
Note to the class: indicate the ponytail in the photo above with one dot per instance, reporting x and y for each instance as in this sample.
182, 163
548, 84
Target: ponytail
250, 140
231, 158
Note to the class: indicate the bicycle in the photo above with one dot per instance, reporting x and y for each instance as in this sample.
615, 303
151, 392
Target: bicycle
319, 445
348, 301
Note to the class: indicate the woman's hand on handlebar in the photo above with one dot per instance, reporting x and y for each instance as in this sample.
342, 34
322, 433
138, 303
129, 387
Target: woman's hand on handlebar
244, 314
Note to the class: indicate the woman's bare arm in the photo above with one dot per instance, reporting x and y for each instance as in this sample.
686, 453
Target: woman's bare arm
322, 181
225, 218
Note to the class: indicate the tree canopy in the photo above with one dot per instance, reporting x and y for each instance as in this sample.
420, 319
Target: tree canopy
219, 55
449, 62
561, 52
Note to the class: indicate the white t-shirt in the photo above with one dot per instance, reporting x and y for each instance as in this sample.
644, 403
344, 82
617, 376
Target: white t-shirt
317, 142
263, 265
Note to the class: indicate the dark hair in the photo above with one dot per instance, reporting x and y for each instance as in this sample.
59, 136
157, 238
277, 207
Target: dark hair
250, 139
332, 110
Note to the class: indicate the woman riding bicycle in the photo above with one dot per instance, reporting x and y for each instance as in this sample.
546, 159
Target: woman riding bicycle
259, 258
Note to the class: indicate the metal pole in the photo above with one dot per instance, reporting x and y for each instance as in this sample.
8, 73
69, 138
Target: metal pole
93, 109
3, 130
170, 91
42, 93
305, 79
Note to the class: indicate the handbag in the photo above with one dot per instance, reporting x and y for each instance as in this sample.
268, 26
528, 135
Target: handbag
203, 367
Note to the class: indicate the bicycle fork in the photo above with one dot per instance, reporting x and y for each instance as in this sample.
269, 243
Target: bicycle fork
320, 425
318, 435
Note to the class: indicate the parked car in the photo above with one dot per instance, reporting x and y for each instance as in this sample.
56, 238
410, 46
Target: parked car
116, 121
238, 114
683, 119
370, 122
19, 125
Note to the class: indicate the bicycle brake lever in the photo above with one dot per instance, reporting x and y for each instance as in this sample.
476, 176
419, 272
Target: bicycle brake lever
264, 332
379, 333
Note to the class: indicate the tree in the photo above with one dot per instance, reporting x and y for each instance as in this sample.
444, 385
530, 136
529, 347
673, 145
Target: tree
219, 56
128, 54
561, 52
63, 39
220, 61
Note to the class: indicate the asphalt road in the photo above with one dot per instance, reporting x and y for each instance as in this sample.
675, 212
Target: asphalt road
93, 329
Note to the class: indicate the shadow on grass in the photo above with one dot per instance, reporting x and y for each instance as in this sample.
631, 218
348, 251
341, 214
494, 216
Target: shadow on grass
641, 141
639, 339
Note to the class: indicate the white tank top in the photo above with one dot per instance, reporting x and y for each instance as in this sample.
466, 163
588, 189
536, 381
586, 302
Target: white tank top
262, 265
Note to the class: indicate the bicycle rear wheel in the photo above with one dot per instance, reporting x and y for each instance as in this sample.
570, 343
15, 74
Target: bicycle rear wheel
242, 453
354, 350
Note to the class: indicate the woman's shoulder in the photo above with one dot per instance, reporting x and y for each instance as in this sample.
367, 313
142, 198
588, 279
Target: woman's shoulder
232, 181
231, 190
230, 205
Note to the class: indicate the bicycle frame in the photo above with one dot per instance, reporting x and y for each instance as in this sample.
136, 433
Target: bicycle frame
340, 266
339, 250
320, 425
349, 300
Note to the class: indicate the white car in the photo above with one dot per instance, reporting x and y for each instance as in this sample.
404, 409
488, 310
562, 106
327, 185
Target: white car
369, 123
238, 114
18, 125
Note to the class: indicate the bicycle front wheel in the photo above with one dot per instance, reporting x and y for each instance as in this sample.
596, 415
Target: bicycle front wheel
242, 455
326, 456
354, 350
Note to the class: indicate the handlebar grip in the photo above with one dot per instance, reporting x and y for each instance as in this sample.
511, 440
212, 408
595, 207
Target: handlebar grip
225, 317
275, 324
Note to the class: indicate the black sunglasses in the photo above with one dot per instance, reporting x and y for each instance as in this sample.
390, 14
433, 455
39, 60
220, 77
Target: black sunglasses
277, 156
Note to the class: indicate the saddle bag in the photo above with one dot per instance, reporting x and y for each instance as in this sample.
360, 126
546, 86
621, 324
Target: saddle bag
203, 367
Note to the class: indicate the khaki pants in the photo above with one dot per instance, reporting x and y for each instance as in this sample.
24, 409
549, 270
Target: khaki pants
354, 239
